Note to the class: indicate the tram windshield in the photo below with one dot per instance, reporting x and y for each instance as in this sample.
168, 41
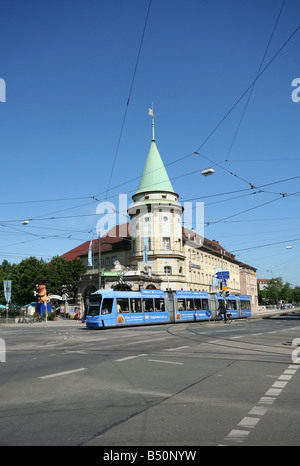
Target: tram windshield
94, 305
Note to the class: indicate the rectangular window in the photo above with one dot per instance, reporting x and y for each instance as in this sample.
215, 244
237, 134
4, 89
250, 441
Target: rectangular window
135, 305
168, 269
166, 244
231, 304
159, 304
148, 305
181, 304
205, 304
122, 305
197, 304
107, 306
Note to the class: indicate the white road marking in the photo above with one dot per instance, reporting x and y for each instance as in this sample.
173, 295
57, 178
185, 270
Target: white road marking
98, 339
285, 377
248, 422
273, 392
176, 349
238, 435
138, 342
165, 362
58, 374
279, 384
267, 400
130, 357
257, 412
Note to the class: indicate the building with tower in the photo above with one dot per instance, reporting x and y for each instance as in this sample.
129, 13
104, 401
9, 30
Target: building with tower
155, 250
156, 223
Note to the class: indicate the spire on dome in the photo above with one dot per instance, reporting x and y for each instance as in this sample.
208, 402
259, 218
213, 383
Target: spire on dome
154, 177
151, 113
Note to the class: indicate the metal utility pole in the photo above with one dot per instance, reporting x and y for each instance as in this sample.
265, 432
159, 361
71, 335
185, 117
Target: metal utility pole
99, 261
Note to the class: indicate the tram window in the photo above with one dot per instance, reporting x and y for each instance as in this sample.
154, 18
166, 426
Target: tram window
245, 304
231, 304
94, 305
122, 305
135, 305
197, 303
204, 304
181, 304
148, 305
159, 304
189, 304
107, 306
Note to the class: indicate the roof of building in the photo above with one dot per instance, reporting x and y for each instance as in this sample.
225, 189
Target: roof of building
155, 177
117, 238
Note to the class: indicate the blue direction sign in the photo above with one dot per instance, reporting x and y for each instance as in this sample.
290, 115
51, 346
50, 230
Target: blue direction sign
222, 275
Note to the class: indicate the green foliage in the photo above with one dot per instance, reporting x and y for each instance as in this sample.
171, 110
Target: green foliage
276, 291
59, 276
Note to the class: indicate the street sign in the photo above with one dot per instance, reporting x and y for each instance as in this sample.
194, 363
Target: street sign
221, 275
7, 289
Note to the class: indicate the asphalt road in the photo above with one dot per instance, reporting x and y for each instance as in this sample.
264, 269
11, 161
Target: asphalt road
180, 385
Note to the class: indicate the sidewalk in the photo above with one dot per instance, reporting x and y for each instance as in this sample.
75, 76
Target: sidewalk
260, 314
49, 323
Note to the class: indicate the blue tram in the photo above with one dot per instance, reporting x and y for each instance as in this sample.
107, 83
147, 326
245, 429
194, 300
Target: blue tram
109, 308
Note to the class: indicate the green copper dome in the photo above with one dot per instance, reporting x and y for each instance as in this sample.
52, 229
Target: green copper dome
154, 177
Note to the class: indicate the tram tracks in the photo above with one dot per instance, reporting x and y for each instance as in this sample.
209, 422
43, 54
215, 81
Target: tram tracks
189, 333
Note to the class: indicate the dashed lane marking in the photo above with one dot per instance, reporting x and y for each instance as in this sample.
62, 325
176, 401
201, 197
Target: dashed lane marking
127, 358
59, 374
165, 362
256, 413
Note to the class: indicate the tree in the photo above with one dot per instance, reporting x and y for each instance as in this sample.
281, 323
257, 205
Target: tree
65, 275
26, 275
296, 293
276, 291
286, 293
29, 272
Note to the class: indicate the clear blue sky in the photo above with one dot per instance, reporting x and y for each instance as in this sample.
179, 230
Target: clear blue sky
70, 67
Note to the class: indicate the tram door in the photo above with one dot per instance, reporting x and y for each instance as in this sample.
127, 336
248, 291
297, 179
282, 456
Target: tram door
171, 305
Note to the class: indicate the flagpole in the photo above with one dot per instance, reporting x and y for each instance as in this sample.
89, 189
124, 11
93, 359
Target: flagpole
152, 116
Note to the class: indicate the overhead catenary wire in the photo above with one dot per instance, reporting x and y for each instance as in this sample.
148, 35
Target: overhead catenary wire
211, 133
248, 89
186, 200
129, 97
252, 88
53, 218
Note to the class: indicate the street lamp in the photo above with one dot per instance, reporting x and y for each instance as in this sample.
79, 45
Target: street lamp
208, 171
